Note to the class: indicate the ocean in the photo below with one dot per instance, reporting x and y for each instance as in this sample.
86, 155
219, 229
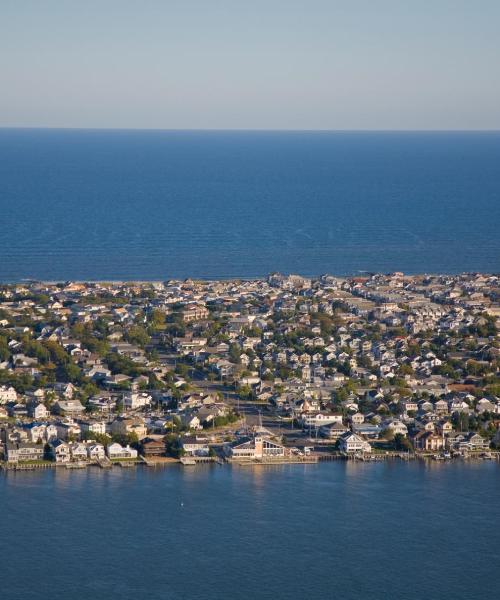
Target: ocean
154, 205
385, 531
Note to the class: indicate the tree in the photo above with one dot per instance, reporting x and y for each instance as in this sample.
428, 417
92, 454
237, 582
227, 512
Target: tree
138, 335
158, 319
387, 434
401, 442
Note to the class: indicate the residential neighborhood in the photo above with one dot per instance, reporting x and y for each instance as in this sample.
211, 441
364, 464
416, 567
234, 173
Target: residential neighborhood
286, 368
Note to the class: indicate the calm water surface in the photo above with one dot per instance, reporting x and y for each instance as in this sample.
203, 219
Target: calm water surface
158, 204
335, 530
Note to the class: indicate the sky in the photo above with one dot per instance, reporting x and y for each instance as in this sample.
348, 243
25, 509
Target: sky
250, 64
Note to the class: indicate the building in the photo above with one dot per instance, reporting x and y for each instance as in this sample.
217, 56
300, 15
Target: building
150, 447
38, 411
117, 451
96, 452
193, 446
68, 407
135, 400
194, 312
429, 441
21, 452
352, 443
129, 425
319, 419
333, 431
60, 451
257, 448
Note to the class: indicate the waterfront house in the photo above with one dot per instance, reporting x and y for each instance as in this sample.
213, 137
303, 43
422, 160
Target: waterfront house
152, 447
60, 451
78, 451
352, 443
475, 442
257, 448
96, 452
117, 451
429, 441
193, 446
23, 451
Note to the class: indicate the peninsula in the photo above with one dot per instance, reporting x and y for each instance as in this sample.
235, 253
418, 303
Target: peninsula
286, 368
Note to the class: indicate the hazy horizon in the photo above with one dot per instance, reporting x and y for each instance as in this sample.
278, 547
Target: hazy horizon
229, 65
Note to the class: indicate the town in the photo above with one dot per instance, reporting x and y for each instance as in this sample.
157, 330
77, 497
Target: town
282, 369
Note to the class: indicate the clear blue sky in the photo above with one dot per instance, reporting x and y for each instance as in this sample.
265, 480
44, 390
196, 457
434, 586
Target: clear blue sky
250, 64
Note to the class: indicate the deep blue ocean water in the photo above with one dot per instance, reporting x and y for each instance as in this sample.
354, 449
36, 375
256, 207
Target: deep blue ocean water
383, 531
159, 204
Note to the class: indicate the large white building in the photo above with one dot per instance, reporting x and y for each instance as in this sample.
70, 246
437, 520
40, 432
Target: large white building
134, 400
319, 419
256, 448
352, 443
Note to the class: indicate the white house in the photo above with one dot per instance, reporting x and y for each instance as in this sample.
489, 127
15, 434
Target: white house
116, 450
7, 394
195, 447
96, 452
319, 419
351, 443
135, 400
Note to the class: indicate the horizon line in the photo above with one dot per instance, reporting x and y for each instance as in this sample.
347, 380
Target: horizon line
241, 130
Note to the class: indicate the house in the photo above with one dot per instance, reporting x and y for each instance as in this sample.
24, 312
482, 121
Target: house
66, 390
128, 425
191, 421
397, 427
78, 451
96, 452
150, 447
473, 441
257, 448
319, 419
60, 451
194, 312
93, 427
352, 443
333, 431
7, 394
193, 446
429, 441
17, 410
68, 407
23, 451
36, 432
441, 407
117, 451
357, 418
68, 430
367, 430
135, 400
38, 411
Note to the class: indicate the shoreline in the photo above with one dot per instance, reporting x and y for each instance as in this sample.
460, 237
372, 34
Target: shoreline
491, 456
263, 276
